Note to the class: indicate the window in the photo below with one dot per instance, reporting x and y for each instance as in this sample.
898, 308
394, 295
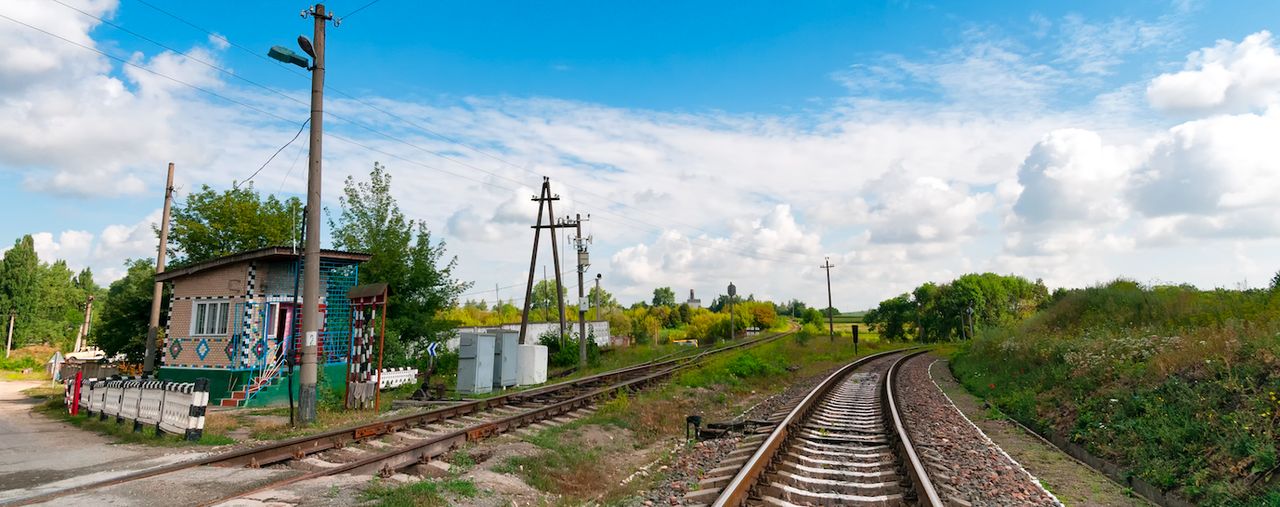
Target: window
210, 318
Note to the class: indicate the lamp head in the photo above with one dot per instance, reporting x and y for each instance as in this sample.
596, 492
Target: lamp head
305, 44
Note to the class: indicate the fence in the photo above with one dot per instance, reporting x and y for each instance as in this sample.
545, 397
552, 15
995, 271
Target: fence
396, 377
171, 407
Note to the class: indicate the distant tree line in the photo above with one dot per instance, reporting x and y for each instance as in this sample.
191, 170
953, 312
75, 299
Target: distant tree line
933, 312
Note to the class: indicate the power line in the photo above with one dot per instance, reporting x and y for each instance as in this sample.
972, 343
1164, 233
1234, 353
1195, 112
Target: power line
423, 128
353, 13
273, 155
709, 243
139, 67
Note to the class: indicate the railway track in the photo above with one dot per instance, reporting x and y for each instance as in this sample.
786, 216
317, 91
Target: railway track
388, 445
845, 443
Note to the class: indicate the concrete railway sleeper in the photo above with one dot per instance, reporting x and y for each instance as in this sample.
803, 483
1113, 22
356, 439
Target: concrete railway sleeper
845, 443
419, 437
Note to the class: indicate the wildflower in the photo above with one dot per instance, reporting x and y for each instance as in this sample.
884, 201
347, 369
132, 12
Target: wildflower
991, 386
1113, 400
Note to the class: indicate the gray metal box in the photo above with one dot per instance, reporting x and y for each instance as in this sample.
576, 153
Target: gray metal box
475, 363
505, 358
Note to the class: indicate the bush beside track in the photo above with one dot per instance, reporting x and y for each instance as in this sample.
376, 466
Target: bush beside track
1181, 386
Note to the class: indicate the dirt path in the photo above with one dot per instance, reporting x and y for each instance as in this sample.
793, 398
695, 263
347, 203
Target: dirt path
39, 454
1073, 483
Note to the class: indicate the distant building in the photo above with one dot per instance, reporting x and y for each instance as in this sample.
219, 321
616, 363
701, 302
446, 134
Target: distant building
693, 302
232, 318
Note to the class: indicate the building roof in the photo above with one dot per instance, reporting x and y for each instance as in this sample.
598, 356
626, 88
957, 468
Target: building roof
271, 252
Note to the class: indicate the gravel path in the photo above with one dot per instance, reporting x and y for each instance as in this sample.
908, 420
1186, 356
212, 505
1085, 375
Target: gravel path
966, 467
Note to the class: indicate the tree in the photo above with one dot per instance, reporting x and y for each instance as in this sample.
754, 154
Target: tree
1275, 282
210, 224
601, 298
126, 312
891, 317
417, 272
19, 280
664, 296
544, 300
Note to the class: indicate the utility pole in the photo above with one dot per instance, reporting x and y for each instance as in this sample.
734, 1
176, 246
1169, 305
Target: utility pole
9, 343
584, 261
311, 262
82, 337
153, 328
831, 327
544, 198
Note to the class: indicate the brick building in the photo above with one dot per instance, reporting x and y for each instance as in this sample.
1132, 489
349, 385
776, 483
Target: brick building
232, 318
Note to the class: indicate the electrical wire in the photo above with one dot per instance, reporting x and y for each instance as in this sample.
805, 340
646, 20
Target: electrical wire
445, 137
235, 185
353, 13
708, 243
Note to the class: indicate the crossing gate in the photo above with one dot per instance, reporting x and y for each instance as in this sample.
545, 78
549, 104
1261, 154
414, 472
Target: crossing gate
169, 407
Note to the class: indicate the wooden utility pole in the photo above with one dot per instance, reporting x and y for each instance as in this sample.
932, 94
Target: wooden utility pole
9, 343
544, 198
831, 327
311, 250
153, 328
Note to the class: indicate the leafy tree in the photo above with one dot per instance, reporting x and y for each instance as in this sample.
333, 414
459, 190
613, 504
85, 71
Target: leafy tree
891, 317
1275, 282
601, 298
418, 273
127, 311
543, 304
682, 312
763, 315
209, 224
19, 280
664, 296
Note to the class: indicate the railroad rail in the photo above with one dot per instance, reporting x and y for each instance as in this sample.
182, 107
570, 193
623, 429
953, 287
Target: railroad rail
424, 435
845, 443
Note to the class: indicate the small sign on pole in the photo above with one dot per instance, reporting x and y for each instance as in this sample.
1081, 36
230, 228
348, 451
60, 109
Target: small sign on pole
855, 339
432, 349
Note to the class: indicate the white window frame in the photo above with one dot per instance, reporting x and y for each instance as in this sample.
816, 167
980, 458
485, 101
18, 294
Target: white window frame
220, 328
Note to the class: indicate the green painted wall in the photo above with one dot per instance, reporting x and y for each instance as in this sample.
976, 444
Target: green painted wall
223, 382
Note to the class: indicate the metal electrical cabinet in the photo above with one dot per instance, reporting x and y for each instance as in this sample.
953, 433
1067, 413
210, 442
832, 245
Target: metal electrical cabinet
475, 363
533, 364
505, 358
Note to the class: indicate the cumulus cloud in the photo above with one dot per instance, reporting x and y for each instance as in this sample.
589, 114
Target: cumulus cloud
1228, 77
1071, 176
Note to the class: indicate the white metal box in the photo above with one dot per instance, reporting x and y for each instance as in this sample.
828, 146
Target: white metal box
533, 364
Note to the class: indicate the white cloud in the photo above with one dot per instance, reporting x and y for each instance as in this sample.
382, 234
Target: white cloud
1228, 77
1070, 176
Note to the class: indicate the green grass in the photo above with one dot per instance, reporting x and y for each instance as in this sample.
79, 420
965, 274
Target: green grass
1179, 385
427, 493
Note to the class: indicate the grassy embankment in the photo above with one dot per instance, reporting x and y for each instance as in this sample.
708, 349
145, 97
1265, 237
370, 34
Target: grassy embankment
1179, 385
644, 426
26, 363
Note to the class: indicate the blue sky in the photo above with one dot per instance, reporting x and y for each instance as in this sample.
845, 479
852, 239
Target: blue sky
712, 140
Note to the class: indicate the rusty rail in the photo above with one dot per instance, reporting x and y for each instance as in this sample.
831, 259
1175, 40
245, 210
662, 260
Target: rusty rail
299, 447
740, 487
923, 487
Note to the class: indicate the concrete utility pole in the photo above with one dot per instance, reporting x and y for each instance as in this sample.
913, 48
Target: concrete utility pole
583, 262
82, 338
153, 328
9, 343
831, 327
311, 262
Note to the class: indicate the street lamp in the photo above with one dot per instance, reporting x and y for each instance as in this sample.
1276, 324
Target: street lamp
311, 251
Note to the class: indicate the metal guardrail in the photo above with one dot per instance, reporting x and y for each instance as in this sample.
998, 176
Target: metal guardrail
739, 488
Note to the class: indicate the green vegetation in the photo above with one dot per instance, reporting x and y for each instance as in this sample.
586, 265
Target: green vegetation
427, 493
417, 270
47, 299
935, 313
1182, 386
208, 224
